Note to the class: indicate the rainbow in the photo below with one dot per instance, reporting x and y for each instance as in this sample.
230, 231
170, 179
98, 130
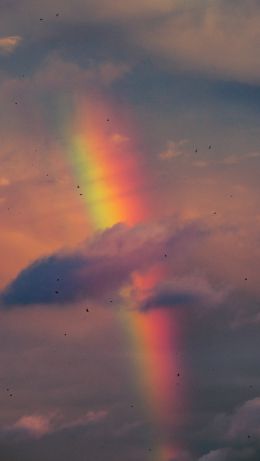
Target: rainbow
101, 153
104, 158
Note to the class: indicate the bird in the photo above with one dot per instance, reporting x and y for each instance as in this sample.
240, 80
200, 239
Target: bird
209, 146
87, 310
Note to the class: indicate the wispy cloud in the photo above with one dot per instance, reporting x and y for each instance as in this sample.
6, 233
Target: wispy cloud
173, 149
118, 138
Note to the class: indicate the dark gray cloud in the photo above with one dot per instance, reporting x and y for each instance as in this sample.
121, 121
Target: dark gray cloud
170, 299
63, 279
187, 292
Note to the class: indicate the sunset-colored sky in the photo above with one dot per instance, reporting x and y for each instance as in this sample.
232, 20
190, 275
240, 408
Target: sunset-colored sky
129, 230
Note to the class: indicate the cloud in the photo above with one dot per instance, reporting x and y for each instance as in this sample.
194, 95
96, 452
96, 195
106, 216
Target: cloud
189, 291
37, 426
230, 454
109, 72
118, 138
217, 39
231, 160
58, 73
209, 38
91, 417
173, 150
236, 159
33, 425
216, 455
100, 267
241, 424
63, 279
9, 44
246, 420
212, 38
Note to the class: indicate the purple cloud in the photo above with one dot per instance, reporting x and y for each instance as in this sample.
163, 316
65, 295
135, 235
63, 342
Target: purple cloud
101, 266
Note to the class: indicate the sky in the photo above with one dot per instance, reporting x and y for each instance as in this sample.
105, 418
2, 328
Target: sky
129, 230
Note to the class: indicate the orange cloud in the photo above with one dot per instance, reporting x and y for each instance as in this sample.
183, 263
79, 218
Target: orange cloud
9, 44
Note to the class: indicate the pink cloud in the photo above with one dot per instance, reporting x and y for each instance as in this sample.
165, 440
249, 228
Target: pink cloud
34, 425
37, 426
